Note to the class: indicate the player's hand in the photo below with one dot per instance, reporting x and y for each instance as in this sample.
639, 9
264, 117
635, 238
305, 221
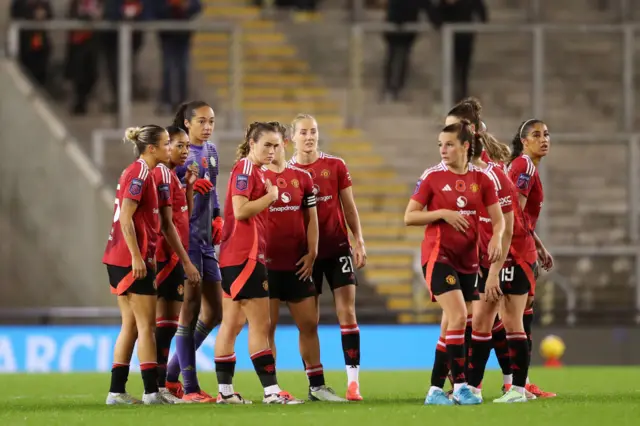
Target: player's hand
546, 260
203, 186
456, 220
306, 266
138, 268
492, 291
360, 255
193, 276
216, 230
191, 175
272, 190
494, 251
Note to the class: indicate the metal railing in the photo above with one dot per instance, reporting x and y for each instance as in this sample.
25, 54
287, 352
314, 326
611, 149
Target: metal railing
125, 55
100, 138
355, 110
534, 9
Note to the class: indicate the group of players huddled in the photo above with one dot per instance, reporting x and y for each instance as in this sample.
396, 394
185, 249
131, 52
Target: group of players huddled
283, 230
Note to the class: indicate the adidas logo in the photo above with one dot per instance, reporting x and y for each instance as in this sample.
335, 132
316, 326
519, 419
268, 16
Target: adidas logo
446, 188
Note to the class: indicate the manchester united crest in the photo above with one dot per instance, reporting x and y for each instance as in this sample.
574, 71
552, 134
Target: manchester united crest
265, 285
474, 187
295, 183
181, 289
325, 173
451, 280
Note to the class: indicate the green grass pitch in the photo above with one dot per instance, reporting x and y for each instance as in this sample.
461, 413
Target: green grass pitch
586, 396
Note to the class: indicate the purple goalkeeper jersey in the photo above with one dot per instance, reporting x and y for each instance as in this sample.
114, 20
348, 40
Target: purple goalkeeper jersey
204, 206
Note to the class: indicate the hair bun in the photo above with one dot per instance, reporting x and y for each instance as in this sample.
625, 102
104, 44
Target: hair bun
132, 133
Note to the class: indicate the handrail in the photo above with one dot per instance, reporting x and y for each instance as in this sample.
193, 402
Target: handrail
125, 34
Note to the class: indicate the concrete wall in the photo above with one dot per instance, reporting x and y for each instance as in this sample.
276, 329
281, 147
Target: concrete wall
55, 210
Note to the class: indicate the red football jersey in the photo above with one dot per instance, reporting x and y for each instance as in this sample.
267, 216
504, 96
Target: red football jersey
286, 229
524, 174
136, 183
170, 193
522, 244
244, 239
439, 188
330, 176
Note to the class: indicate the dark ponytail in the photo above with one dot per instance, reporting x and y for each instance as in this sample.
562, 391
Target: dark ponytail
523, 131
468, 109
186, 111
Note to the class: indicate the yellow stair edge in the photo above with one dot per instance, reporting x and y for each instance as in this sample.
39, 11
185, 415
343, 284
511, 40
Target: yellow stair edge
394, 289
202, 37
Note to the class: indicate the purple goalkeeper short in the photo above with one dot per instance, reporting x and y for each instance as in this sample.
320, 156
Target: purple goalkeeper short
204, 259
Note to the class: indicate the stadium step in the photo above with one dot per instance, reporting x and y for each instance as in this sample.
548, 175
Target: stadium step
277, 84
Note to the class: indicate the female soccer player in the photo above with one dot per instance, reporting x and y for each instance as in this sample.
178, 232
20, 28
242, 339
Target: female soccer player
242, 262
530, 144
332, 186
292, 246
176, 205
130, 259
470, 109
198, 120
452, 192
513, 278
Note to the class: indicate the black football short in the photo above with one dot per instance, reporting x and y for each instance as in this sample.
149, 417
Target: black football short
122, 282
442, 278
286, 286
245, 281
339, 272
170, 281
516, 279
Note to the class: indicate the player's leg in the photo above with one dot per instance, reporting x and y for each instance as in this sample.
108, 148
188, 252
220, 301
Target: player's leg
211, 305
122, 353
300, 297
501, 348
275, 297
517, 280
170, 286
527, 320
142, 299
483, 318
253, 293
446, 287
341, 276
185, 348
233, 319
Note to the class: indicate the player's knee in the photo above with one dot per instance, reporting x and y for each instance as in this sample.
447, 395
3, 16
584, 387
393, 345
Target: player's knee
482, 322
457, 320
308, 326
129, 331
347, 314
211, 318
512, 323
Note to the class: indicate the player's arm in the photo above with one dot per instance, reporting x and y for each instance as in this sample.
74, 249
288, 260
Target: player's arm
189, 195
351, 214
310, 212
127, 210
170, 233
414, 214
244, 209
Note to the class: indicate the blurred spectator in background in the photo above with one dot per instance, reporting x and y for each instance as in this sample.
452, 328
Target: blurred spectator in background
35, 46
175, 52
123, 10
462, 11
399, 44
82, 53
